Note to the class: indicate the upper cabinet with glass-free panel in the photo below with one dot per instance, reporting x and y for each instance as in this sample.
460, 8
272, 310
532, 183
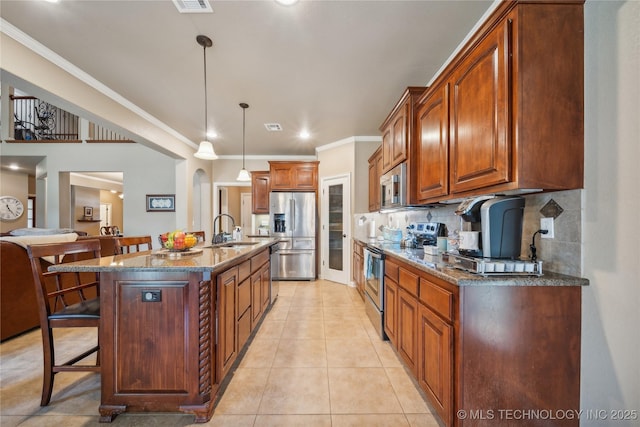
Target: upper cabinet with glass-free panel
293, 175
260, 188
513, 117
398, 129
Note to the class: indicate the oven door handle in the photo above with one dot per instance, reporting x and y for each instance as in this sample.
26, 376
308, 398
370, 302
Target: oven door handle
373, 253
370, 258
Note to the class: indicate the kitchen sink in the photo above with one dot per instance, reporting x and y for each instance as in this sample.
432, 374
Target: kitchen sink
233, 245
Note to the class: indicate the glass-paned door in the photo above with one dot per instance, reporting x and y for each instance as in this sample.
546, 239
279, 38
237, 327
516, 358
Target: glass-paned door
336, 239
336, 227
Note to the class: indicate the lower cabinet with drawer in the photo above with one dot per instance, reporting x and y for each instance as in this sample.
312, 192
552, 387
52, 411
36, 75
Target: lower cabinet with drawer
417, 329
243, 297
244, 303
435, 361
408, 329
480, 349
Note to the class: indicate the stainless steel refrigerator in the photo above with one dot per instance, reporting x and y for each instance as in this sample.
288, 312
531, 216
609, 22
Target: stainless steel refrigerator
292, 218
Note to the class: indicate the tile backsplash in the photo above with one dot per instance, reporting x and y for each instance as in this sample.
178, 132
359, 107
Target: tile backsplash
562, 254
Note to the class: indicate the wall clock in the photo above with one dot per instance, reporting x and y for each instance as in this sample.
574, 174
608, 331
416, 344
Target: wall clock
10, 208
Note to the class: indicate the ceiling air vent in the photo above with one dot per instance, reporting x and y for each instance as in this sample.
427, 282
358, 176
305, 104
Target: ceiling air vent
273, 127
193, 6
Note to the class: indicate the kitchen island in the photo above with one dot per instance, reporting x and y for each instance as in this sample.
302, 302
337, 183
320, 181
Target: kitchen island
172, 324
486, 350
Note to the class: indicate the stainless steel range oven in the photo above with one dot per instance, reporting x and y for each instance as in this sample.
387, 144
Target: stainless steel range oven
374, 288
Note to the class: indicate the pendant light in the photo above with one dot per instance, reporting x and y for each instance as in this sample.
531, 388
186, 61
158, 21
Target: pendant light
205, 150
244, 174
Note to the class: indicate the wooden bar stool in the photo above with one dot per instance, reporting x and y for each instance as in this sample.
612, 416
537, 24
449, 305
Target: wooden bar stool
127, 245
65, 300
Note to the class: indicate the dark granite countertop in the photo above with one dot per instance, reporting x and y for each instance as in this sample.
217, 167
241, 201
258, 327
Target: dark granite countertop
434, 265
201, 259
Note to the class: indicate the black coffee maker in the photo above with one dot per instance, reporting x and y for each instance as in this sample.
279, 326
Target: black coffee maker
499, 220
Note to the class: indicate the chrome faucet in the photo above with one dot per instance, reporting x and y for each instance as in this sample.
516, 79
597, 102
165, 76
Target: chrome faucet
221, 236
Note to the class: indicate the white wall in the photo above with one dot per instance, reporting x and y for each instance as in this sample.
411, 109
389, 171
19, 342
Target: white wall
17, 185
145, 172
610, 377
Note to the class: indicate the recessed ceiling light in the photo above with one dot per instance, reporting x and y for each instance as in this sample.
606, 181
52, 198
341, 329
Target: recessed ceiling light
14, 167
304, 134
287, 2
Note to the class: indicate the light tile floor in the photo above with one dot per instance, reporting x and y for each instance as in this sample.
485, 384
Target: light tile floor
315, 361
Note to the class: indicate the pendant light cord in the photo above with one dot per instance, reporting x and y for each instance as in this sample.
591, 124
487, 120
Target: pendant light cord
244, 107
206, 125
244, 110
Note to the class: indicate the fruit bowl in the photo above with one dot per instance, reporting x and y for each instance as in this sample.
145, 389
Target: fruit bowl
177, 241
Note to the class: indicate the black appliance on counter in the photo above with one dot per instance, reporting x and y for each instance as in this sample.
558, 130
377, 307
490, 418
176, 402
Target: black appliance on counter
499, 219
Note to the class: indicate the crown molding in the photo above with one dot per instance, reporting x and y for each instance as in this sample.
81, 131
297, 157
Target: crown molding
349, 140
43, 51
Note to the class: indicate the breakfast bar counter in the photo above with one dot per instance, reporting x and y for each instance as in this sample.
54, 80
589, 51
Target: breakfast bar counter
172, 324
198, 259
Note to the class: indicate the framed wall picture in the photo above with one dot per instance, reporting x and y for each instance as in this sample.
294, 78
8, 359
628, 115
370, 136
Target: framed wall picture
88, 212
161, 202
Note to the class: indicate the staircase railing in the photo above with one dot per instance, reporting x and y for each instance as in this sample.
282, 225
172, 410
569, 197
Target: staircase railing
37, 120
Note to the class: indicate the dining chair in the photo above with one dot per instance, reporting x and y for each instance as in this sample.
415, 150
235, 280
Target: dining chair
127, 245
65, 300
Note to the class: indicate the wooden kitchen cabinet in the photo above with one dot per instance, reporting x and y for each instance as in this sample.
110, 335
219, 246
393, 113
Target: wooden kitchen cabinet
391, 310
260, 188
241, 305
480, 146
375, 171
509, 108
387, 147
398, 129
431, 152
227, 320
243, 301
435, 361
358, 267
522, 340
408, 318
391, 301
256, 297
260, 281
293, 176
266, 286
169, 336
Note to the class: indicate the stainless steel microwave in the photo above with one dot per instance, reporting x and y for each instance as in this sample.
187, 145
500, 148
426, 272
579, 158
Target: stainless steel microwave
393, 188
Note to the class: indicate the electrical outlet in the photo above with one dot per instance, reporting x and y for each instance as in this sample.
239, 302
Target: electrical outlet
152, 295
547, 224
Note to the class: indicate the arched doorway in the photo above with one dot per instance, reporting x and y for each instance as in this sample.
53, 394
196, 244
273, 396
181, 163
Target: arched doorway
201, 198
